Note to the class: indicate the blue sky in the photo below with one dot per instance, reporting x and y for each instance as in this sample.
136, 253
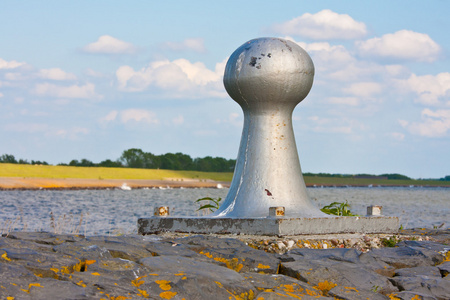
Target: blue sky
89, 79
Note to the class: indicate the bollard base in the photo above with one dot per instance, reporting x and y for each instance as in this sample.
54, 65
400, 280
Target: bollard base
279, 226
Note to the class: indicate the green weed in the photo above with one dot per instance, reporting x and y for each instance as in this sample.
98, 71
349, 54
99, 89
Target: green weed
212, 205
338, 209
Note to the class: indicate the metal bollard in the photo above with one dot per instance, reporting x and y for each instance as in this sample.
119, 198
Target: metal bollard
268, 77
161, 211
277, 211
374, 210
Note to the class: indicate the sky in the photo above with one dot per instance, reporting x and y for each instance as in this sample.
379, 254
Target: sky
90, 79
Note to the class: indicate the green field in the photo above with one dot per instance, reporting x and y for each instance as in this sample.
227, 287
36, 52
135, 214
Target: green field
330, 181
41, 171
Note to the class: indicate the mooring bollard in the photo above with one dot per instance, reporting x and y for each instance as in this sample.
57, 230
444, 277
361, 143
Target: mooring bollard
268, 77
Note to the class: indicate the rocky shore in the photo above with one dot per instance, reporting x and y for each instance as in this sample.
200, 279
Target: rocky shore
411, 265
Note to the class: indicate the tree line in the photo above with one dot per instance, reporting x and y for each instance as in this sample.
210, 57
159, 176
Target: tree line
136, 158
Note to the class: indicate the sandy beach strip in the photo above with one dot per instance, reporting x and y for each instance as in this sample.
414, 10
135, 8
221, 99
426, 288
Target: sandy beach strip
32, 183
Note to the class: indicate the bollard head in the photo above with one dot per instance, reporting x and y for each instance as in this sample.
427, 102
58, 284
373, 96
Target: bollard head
267, 71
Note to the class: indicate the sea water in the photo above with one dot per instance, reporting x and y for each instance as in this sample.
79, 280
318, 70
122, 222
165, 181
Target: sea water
115, 211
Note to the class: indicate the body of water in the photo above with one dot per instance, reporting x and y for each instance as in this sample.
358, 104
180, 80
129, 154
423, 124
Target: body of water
116, 211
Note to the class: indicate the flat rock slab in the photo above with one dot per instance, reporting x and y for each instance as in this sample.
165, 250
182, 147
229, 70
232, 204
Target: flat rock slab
269, 226
40, 265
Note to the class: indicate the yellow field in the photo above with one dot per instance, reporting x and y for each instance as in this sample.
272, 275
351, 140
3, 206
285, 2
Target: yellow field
66, 172
41, 171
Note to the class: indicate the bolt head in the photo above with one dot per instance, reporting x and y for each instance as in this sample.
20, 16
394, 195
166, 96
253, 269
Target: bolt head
268, 71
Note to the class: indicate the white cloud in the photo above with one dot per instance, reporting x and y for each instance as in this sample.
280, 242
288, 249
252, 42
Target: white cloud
26, 127
130, 115
403, 45
111, 116
178, 120
71, 133
326, 56
16, 76
56, 74
10, 64
194, 44
433, 124
107, 44
351, 101
430, 89
86, 91
397, 136
92, 73
179, 78
1, 95
19, 100
364, 89
138, 115
234, 119
324, 25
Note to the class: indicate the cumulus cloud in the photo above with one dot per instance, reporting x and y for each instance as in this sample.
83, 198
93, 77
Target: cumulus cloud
351, 101
403, 45
397, 136
131, 115
71, 133
178, 120
107, 44
326, 56
56, 74
111, 116
178, 78
324, 25
429, 89
234, 119
138, 115
364, 89
26, 127
86, 91
10, 64
433, 123
193, 44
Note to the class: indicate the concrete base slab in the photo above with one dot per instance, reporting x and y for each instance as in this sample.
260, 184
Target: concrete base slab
269, 226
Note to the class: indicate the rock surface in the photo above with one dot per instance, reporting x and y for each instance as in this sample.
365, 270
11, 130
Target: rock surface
39, 265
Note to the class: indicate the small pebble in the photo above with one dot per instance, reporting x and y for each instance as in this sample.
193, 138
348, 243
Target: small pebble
281, 245
290, 244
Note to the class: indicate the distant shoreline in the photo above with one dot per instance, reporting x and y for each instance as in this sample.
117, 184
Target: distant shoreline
33, 183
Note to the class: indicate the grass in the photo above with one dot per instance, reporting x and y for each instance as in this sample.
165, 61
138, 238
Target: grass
327, 181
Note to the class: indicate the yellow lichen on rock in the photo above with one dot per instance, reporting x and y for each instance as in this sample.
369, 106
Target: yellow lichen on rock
137, 282
325, 286
167, 295
5, 256
164, 284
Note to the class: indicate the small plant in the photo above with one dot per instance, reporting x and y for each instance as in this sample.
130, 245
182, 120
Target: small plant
338, 209
213, 204
390, 242
375, 288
